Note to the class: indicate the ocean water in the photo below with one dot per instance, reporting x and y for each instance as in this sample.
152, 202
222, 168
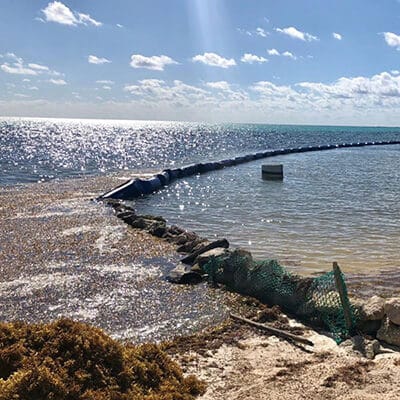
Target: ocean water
35, 150
341, 205
61, 254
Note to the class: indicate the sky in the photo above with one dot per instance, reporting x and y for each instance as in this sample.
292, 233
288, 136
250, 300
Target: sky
331, 62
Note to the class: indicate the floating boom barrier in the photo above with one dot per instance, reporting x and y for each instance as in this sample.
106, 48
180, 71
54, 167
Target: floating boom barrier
135, 188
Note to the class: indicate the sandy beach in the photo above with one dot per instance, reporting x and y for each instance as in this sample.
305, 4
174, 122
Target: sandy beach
60, 251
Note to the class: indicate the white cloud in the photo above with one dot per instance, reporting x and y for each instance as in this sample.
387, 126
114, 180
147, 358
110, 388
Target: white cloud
17, 69
14, 57
261, 32
26, 80
296, 34
38, 67
105, 87
160, 90
33, 88
220, 85
59, 82
105, 82
382, 85
58, 12
251, 58
97, 60
155, 63
257, 32
275, 52
86, 19
61, 14
289, 54
244, 32
266, 88
21, 95
392, 39
214, 60
337, 36
363, 100
119, 26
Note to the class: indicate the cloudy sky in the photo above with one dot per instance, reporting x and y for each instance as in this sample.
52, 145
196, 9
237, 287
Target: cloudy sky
298, 61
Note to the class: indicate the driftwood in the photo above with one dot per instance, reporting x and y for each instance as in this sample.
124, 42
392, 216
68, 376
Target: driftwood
218, 243
275, 331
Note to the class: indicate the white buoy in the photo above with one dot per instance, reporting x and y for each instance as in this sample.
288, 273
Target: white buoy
272, 172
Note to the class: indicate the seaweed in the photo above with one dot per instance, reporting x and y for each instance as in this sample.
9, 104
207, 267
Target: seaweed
75, 361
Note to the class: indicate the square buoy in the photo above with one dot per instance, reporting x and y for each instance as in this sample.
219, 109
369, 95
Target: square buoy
272, 172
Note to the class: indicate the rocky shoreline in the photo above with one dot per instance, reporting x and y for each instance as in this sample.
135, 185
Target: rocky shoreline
375, 318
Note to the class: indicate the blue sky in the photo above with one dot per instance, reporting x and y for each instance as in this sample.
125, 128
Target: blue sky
315, 62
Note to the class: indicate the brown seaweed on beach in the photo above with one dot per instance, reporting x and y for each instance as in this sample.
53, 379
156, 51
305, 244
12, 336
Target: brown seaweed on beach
73, 360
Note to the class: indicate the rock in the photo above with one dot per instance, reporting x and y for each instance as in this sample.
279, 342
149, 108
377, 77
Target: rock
204, 258
182, 275
196, 268
218, 243
188, 247
154, 218
389, 332
140, 223
183, 238
175, 230
372, 309
199, 246
360, 346
158, 229
125, 214
370, 314
392, 310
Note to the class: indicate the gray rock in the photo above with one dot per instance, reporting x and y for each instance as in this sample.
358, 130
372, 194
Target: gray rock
389, 332
182, 238
158, 229
204, 258
360, 346
392, 310
188, 247
175, 230
372, 309
217, 243
196, 268
181, 274
140, 223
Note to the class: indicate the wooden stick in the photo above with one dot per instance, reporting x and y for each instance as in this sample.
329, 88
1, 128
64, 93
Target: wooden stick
275, 331
339, 285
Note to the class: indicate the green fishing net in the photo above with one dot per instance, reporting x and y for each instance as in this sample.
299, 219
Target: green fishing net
315, 300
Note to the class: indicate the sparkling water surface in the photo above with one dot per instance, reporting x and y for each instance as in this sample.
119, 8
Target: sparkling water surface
41, 149
341, 205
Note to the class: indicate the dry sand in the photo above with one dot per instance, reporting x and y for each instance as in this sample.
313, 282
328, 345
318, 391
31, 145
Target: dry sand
267, 368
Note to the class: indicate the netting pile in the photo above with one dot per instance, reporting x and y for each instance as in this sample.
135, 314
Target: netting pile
315, 300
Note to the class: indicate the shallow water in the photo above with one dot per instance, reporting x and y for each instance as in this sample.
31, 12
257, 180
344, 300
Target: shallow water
341, 205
